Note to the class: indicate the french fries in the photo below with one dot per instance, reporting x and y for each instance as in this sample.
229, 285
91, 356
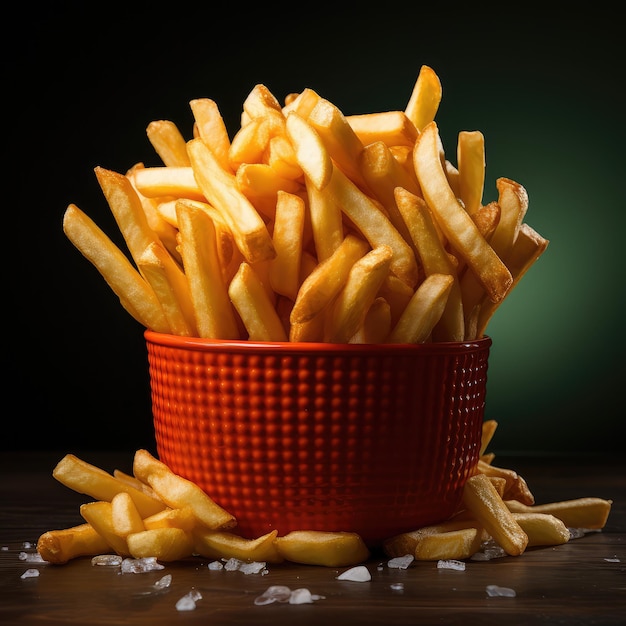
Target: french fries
295, 182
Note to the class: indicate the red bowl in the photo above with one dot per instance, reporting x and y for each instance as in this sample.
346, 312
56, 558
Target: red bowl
372, 439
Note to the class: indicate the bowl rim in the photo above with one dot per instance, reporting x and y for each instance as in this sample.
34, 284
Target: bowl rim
292, 347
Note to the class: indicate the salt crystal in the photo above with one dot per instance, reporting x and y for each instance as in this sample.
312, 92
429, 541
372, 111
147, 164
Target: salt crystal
274, 593
164, 582
31, 557
4, 548
497, 591
613, 559
27, 545
111, 560
215, 565
140, 566
301, 596
188, 601
397, 586
30, 573
252, 568
401, 562
451, 564
232, 565
358, 574
489, 550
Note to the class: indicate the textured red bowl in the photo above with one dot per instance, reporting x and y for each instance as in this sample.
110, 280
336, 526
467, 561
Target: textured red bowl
373, 439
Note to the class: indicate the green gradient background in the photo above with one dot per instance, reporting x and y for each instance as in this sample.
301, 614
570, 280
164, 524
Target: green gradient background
546, 93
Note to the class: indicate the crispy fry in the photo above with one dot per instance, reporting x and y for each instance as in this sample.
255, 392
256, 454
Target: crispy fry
353, 301
434, 260
164, 544
220, 190
124, 515
134, 292
589, 513
487, 507
471, 166
488, 430
376, 325
454, 221
332, 549
542, 529
159, 182
284, 270
61, 546
218, 545
425, 98
100, 516
327, 279
177, 492
168, 142
423, 311
393, 128
86, 478
255, 309
211, 128
516, 486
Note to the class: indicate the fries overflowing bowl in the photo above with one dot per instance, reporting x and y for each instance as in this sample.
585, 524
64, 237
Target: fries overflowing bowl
371, 439
316, 290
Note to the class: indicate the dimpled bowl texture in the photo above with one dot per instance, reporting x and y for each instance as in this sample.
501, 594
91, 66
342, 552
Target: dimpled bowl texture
372, 439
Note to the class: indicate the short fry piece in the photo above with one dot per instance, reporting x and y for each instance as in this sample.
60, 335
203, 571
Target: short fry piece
313, 547
218, 545
425, 98
100, 515
168, 142
124, 515
487, 507
423, 311
543, 529
61, 546
165, 544
258, 314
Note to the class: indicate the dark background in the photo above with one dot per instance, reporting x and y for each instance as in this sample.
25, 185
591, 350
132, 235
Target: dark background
82, 81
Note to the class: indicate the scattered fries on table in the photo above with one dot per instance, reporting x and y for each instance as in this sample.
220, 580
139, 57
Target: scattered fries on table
156, 513
226, 235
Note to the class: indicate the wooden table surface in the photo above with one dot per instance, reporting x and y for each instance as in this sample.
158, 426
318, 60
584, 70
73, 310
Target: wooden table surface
581, 582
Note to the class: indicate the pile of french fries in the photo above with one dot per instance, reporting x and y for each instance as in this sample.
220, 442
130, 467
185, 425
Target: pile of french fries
156, 513
312, 225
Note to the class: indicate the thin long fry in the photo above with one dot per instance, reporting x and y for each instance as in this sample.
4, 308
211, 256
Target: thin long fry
454, 221
214, 315
471, 166
211, 128
61, 546
134, 292
220, 189
425, 98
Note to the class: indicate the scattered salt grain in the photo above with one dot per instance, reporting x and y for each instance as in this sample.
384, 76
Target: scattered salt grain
107, 560
188, 601
400, 562
497, 591
612, 559
451, 564
301, 596
232, 565
140, 566
256, 567
31, 557
358, 574
215, 565
27, 545
397, 586
164, 582
282, 593
5, 548
30, 573
489, 550
274, 593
